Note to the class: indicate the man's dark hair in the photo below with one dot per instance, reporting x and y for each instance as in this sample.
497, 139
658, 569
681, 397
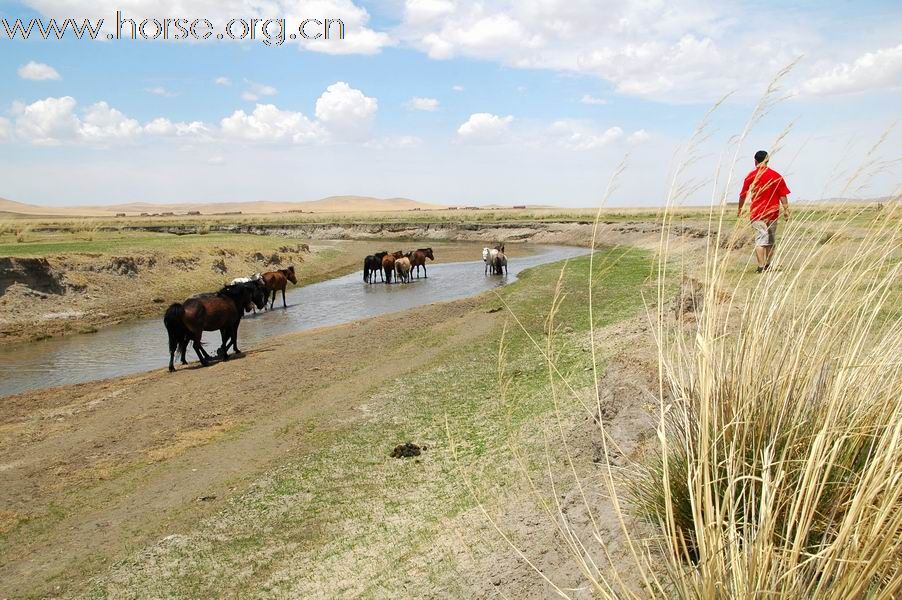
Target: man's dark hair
760, 156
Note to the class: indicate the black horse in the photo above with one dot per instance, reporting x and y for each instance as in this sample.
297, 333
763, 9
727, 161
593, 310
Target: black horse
221, 310
372, 264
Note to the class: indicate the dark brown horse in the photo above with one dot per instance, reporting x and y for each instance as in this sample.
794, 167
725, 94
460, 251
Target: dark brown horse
278, 280
372, 264
418, 259
208, 312
388, 264
499, 263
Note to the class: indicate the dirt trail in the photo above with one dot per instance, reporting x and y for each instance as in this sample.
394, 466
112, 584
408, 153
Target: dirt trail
98, 468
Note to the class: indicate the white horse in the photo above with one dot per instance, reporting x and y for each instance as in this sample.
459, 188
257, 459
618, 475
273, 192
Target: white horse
488, 257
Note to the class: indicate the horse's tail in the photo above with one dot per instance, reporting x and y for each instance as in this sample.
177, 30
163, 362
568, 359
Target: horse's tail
175, 325
388, 272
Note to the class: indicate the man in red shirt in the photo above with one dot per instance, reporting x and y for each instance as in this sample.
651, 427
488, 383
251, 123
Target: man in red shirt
766, 192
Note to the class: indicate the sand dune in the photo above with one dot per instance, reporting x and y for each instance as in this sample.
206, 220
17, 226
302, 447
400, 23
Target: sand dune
330, 204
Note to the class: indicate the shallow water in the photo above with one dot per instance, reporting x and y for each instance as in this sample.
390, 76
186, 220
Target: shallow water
142, 345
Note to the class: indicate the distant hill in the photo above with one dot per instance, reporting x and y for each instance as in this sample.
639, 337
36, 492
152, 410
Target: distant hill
330, 204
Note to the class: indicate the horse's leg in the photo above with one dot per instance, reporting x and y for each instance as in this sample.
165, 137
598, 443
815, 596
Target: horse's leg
284, 304
199, 350
425, 273
224, 349
183, 347
273, 299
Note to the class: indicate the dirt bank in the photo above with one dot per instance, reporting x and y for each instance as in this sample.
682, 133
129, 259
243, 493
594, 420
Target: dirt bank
576, 233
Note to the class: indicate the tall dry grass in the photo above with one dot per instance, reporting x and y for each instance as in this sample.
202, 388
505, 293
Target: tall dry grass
777, 465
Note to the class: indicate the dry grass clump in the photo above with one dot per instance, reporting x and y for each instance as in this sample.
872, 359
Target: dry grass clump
780, 457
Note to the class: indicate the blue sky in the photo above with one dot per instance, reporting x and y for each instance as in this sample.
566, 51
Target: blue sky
459, 102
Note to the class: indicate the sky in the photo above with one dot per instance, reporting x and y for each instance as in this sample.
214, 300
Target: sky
454, 102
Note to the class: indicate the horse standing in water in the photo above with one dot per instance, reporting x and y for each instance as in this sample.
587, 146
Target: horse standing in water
278, 280
222, 310
418, 259
251, 279
488, 257
388, 264
372, 264
402, 268
499, 263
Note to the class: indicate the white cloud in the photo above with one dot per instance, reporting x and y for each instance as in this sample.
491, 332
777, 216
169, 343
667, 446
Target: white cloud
458, 88
640, 136
216, 161
164, 127
35, 71
48, 122
678, 51
267, 123
485, 128
159, 90
578, 136
257, 90
101, 123
346, 112
870, 71
5, 129
593, 100
222, 81
425, 104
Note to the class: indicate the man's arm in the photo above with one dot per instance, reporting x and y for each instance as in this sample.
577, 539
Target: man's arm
784, 203
743, 194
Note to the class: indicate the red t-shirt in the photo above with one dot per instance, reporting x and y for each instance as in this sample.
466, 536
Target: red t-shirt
766, 187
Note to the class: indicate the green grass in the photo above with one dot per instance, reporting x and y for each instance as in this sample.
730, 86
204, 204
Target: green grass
358, 522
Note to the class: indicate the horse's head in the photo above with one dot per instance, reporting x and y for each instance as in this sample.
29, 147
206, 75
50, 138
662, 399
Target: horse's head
397, 254
258, 293
381, 255
428, 253
289, 273
500, 248
485, 253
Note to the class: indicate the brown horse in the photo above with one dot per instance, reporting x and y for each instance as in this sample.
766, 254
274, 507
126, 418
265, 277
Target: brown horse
418, 259
499, 262
388, 264
278, 280
208, 312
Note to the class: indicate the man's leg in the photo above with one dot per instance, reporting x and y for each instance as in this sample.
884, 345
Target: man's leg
762, 254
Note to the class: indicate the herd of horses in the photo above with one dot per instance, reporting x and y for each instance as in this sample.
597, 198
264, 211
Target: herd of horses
187, 321
400, 264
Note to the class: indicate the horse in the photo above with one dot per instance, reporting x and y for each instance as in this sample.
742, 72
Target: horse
418, 259
402, 268
305, 248
488, 257
252, 278
278, 280
221, 310
372, 264
499, 263
388, 264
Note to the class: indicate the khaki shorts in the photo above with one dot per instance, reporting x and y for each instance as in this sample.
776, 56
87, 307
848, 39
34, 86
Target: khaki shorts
765, 232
